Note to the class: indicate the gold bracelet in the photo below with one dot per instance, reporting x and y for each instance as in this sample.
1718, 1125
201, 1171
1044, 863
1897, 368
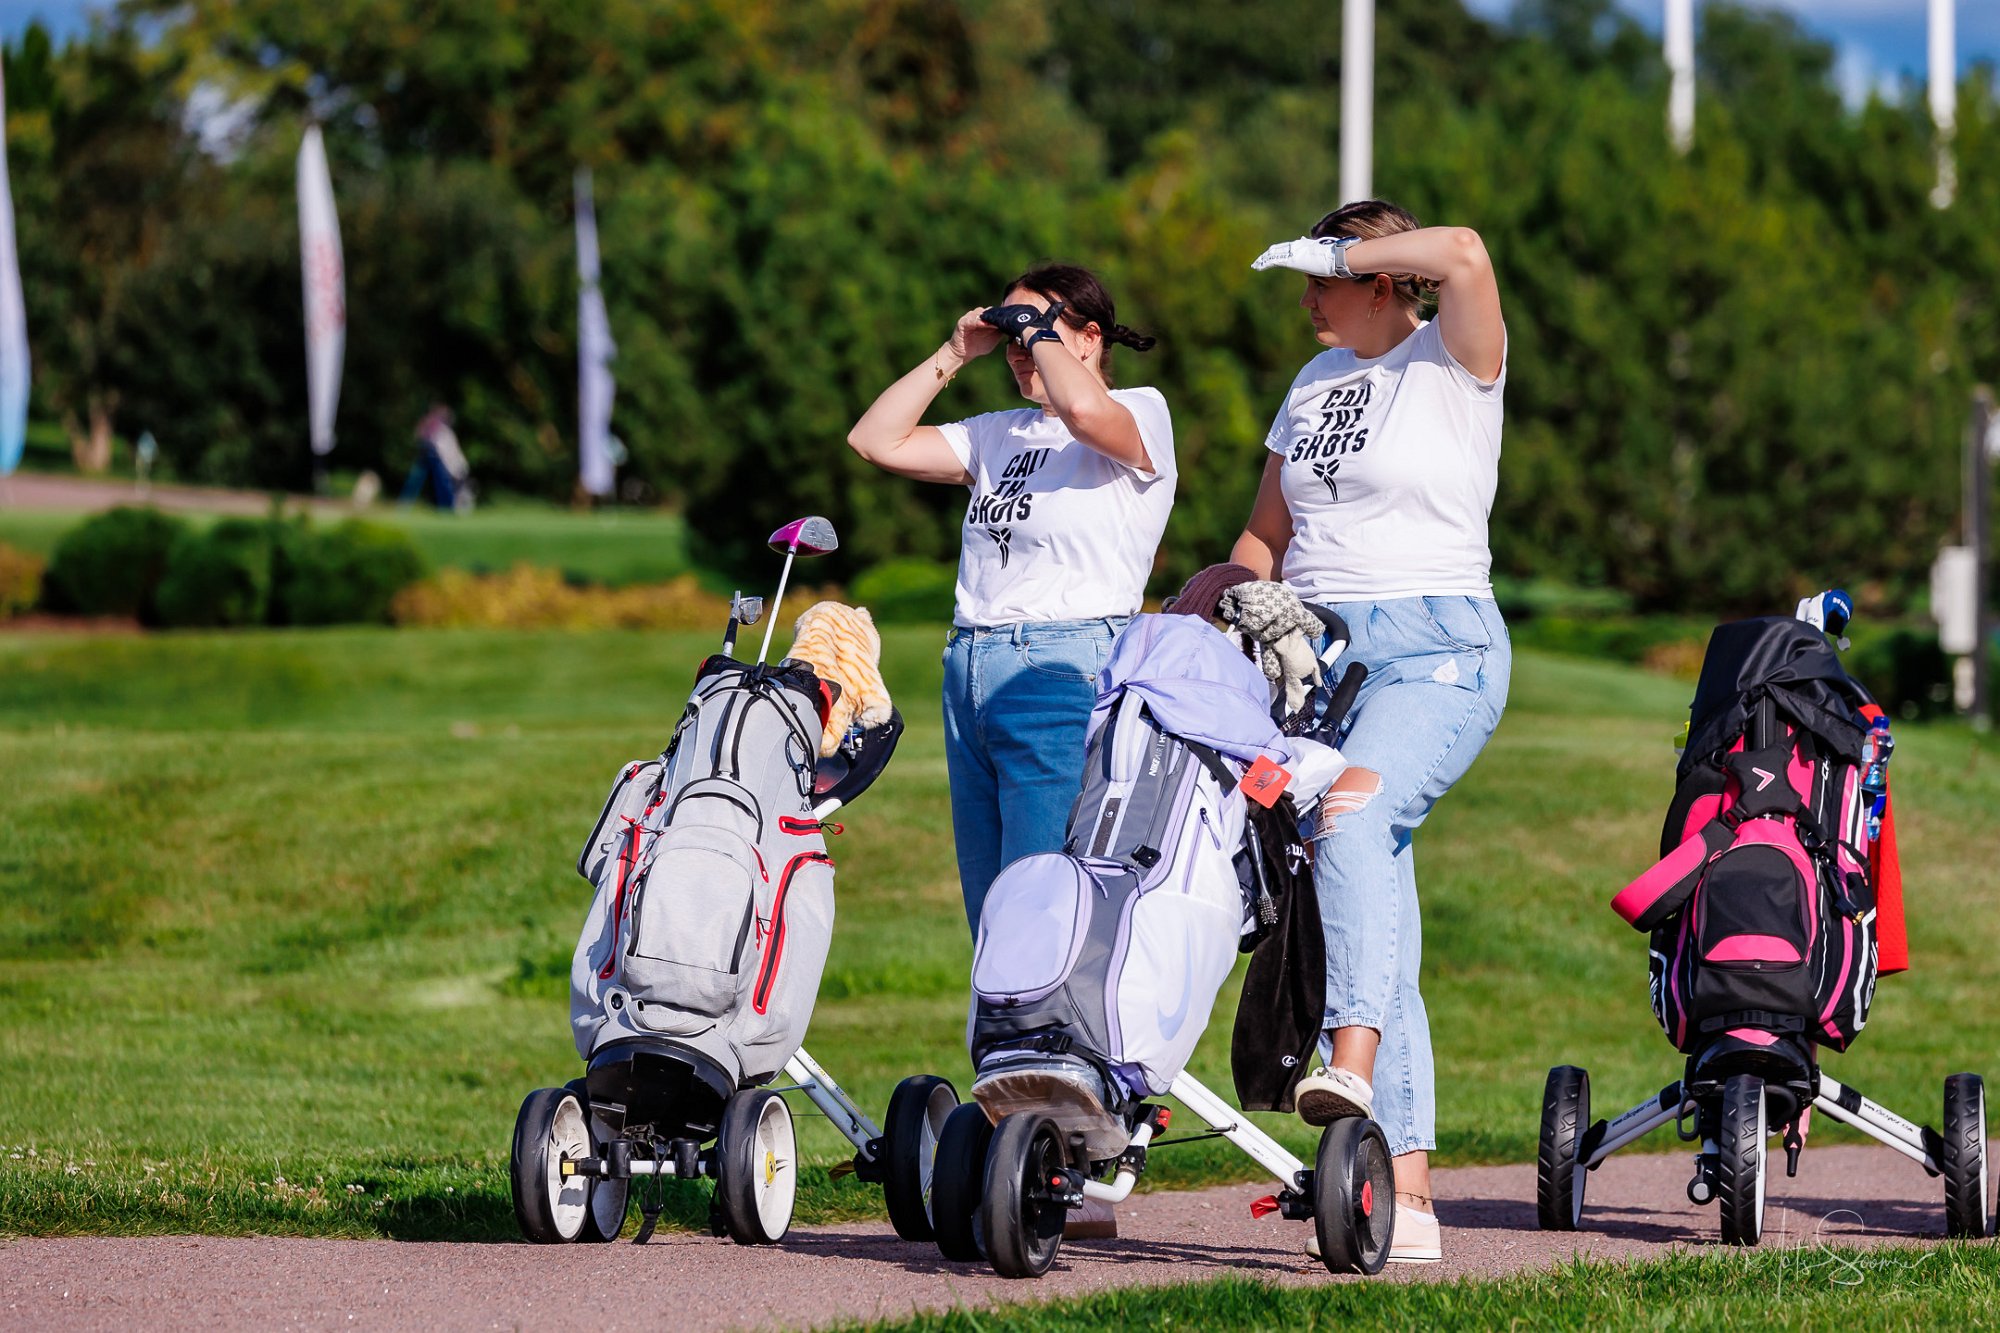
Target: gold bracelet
938, 370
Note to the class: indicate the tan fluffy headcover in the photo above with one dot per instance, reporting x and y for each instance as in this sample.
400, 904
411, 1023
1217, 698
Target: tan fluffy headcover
840, 643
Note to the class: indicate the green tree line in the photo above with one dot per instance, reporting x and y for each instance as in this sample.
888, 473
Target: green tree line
1732, 374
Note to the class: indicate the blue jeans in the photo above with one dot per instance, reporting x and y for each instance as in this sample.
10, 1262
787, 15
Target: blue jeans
1438, 670
1017, 700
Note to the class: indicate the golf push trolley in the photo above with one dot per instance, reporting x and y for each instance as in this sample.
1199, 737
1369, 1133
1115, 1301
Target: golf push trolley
1002, 1192
650, 1107
1731, 1101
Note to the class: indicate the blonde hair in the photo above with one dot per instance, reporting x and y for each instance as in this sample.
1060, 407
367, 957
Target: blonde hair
1371, 219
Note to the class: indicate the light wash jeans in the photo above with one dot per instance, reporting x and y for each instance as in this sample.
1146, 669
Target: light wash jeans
1438, 670
1017, 700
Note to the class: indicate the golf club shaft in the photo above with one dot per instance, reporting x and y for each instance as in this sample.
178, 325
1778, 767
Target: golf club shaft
777, 602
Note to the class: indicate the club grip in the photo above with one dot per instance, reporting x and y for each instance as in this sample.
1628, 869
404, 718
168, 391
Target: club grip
1343, 696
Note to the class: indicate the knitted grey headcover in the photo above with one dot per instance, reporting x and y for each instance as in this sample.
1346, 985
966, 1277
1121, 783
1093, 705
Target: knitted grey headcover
1271, 616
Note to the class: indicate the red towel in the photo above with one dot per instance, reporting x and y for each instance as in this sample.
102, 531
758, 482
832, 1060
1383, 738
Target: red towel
1891, 941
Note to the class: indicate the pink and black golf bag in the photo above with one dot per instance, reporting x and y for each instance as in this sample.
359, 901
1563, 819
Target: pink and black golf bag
1762, 908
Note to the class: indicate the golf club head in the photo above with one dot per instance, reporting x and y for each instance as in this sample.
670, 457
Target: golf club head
807, 536
746, 610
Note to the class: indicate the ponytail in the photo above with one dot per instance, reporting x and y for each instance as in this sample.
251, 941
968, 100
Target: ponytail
1132, 338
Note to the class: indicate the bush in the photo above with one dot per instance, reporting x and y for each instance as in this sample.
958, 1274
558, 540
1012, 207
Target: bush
1630, 639
111, 563
903, 592
346, 575
20, 581
1521, 599
1904, 668
218, 579
528, 597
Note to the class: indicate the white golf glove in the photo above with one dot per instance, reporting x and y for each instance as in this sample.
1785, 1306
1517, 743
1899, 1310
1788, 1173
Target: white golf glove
1324, 257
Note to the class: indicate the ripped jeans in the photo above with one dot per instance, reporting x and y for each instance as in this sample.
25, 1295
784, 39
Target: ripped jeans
1438, 670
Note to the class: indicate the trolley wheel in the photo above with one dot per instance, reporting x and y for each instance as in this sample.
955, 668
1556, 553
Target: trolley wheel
551, 1129
917, 1112
1739, 1160
605, 1217
756, 1167
1354, 1197
958, 1178
1964, 1156
1559, 1172
1022, 1223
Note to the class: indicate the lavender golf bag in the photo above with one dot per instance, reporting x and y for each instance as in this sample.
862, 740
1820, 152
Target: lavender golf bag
1096, 968
1762, 908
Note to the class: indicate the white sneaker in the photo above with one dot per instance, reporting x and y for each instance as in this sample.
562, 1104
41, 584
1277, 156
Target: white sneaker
1329, 1094
1418, 1239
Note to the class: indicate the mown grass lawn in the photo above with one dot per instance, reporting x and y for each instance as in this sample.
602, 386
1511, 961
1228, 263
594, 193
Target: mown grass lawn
289, 917
1949, 1286
615, 547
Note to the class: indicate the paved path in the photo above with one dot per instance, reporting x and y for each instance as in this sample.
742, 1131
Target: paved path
1844, 1195
30, 490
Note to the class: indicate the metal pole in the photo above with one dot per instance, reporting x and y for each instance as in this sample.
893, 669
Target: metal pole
1680, 67
1978, 525
1944, 96
1357, 100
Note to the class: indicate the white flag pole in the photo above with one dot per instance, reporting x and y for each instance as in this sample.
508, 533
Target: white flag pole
594, 350
1680, 69
324, 275
13, 321
1357, 100
1944, 97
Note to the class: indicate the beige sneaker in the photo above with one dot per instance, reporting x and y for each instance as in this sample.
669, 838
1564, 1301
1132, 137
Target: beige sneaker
1418, 1238
1329, 1094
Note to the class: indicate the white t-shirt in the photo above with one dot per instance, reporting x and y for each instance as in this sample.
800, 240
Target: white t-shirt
1389, 470
1055, 530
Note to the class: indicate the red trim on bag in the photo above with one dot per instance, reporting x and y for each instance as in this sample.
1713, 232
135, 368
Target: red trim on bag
626, 860
793, 824
774, 947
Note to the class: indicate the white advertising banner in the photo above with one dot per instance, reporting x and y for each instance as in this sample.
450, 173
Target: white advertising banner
594, 351
325, 276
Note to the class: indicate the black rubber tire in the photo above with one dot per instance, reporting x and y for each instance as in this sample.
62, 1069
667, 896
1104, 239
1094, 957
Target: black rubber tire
917, 1112
757, 1159
552, 1125
1023, 1226
958, 1179
1559, 1176
1354, 1197
609, 1199
1740, 1160
1964, 1157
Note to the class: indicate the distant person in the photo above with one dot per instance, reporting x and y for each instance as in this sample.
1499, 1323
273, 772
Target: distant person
1069, 499
1383, 462
440, 468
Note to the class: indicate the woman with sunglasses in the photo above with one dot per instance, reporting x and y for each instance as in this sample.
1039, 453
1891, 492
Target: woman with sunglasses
1069, 499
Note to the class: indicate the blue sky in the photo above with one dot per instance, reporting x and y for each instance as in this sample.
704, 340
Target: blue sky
1878, 39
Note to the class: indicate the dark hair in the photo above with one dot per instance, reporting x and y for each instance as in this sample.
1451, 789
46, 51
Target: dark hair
1369, 219
1085, 302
